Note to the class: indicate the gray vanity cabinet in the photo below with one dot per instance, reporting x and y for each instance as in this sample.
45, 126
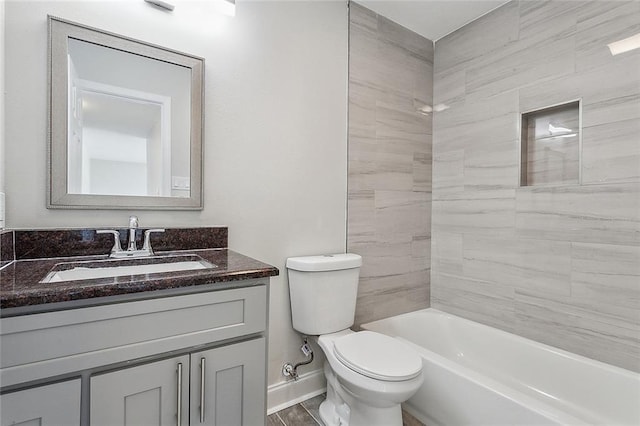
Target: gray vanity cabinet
56, 404
129, 355
149, 394
221, 386
227, 385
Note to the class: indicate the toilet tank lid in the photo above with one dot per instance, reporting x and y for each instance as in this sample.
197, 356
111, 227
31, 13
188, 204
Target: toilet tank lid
327, 262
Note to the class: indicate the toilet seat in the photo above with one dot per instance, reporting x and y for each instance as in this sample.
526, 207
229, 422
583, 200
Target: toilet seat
377, 356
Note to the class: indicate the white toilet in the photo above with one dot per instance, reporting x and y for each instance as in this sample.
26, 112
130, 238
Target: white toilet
368, 374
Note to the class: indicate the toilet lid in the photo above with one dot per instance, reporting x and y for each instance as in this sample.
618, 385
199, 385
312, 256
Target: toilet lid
378, 356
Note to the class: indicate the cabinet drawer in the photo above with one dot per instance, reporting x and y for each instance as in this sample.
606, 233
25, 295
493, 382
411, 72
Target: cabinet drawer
47, 344
55, 404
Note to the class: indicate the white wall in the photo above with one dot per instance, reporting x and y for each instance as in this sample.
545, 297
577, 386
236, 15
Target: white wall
2, 222
275, 127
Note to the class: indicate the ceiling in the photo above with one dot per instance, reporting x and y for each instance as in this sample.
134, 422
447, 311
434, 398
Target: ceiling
432, 19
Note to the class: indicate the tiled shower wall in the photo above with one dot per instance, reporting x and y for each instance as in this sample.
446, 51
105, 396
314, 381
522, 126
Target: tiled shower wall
557, 264
389, 183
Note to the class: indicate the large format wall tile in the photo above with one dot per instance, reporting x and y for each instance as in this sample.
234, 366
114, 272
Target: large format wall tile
390, 162
446, 253
462, 47
610, 115
606, 277
483, 301
476, 212
600, 23
558, 263
586, 213
573, 326
601, 163
385, 296
448, 174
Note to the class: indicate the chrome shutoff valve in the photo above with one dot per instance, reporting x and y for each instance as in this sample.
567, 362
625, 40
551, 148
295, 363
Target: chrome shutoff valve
289, 371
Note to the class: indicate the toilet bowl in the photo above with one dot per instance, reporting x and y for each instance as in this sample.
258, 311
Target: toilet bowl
368, 374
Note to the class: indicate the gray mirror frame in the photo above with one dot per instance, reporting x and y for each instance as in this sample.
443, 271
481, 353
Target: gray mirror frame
60, 31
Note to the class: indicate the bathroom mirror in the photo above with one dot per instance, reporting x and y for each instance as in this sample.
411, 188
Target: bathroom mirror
125, 122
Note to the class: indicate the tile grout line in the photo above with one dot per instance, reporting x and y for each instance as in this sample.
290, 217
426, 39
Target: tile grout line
311, 414
280, 418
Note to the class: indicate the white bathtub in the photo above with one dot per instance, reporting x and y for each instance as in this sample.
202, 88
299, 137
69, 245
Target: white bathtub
478, 375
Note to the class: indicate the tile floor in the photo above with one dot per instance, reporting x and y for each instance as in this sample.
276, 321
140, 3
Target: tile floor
304, 414
307, 414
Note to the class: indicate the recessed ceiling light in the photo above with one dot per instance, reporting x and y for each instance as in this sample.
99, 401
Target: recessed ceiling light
624, 45
162, 4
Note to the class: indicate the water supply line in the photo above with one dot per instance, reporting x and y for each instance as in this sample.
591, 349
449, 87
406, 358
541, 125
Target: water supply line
289, 370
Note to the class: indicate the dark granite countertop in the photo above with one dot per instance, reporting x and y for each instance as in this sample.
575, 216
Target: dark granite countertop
20, 284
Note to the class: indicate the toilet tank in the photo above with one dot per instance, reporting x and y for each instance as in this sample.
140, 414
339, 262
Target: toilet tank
323, 291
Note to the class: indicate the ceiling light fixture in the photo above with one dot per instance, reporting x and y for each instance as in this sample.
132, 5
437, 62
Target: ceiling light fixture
624, 45
225, 7
228, 7
162, 4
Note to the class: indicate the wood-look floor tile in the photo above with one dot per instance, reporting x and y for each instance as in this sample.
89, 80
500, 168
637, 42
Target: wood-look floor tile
297, 415
313, 406
294, 416
274, 420
409, 420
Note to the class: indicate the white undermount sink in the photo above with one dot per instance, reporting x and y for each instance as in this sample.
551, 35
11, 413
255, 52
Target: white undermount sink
106, 269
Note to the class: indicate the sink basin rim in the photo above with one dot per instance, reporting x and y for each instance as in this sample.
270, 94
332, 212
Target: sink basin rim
113, 268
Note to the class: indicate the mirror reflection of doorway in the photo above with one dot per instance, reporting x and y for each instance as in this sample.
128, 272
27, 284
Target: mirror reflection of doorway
119, 141
113, 163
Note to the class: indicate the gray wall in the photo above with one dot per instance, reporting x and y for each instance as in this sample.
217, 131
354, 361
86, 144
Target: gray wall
389, 181
558, 264
275, 127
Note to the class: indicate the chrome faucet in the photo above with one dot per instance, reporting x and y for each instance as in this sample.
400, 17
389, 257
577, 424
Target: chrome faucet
133, 227
117, 248
132, 247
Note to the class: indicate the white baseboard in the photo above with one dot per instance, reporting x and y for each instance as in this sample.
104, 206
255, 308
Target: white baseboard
285, 394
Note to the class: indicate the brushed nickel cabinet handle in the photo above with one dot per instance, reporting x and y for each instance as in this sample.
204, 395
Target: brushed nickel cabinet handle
179, 423
202, 379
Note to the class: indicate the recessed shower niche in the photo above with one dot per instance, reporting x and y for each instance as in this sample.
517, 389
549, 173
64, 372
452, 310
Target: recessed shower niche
550, 146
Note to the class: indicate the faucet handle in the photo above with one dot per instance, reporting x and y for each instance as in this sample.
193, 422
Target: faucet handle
147, 239
116, 237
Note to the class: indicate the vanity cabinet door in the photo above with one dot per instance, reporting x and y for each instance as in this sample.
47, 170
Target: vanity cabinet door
149, 394
228, 385
48, 405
